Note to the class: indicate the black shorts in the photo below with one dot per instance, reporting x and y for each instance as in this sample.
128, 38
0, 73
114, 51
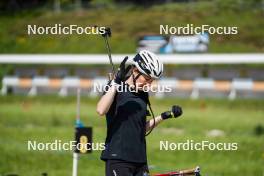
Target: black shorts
124, 168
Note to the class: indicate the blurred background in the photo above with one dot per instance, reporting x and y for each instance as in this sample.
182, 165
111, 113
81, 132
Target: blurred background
217, 79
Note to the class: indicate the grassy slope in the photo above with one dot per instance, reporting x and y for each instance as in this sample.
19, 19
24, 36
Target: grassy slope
48, 118
128, 22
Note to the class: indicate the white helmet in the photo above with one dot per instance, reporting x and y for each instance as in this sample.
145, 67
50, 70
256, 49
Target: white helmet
149, 64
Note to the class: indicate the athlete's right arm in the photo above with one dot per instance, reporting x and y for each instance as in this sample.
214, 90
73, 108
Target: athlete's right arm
106, 101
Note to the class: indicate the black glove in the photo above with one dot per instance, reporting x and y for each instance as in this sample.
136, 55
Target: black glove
176, 111
121, 74
107, 33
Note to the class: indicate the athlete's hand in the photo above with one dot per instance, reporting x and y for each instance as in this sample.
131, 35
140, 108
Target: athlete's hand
122, 71
175, 112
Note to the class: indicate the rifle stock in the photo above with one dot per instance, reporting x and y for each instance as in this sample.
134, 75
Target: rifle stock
185, 172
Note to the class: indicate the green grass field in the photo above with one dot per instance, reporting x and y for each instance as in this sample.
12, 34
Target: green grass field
129, 22
48, 118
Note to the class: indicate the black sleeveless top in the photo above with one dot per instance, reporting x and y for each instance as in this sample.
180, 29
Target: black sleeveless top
126, 127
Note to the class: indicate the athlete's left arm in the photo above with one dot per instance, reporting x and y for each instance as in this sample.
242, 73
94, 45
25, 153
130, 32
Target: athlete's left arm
175, 112
150, 123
